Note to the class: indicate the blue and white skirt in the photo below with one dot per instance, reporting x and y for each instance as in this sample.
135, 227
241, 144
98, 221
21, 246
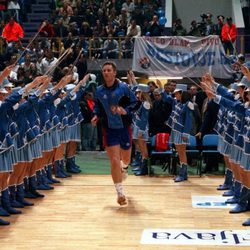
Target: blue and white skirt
135, 133
55, 136
6, 160
226, 149
24, 154
46, 142
35, 147
236, 154
220, 143
14, 151
75, 132
64, 135
176, 137
245, 161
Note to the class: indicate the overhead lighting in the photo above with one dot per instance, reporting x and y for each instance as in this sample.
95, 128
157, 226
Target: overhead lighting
124, 77
165, 77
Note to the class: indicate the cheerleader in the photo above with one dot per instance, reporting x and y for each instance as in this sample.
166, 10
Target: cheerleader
241, 158
6, 147
180, 121
140, 126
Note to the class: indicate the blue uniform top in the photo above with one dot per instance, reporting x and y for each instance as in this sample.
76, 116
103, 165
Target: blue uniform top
141, 116
25, 134
5, 106
117, 95
75, 108
181, 117
235, 121
43, 110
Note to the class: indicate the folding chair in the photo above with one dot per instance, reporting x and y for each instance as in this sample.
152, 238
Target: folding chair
166, 154
193, 151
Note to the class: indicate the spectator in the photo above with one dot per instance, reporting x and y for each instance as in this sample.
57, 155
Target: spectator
113, 16
167, 88
73, 29
99, 29
134, 30
14, 9
29, 67
90, 17
209, 29
12, 31
127, 47
145, 27
46, 29
66, 8
219, 25
110, 48
48, 61
68, 41
124, 16
228, 35
85, 30
110, 29
129, 6
152, 86
155, 29
81, 63
89, 132
122, 29
194, 29
245, 5
178, 29
85, 46
173, 84
138, 16
96, 46
159, 114
60, 29
3, 4
101, 16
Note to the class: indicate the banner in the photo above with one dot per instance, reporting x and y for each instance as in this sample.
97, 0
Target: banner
182, 56
199, 237
210, 202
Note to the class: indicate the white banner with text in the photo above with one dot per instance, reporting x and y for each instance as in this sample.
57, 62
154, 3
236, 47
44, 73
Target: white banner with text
182, 56
196, 237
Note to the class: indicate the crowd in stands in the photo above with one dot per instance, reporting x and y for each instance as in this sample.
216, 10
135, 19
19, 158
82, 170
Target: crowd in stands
225, 30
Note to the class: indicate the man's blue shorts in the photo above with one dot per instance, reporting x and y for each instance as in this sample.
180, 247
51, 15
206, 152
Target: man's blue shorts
113, 137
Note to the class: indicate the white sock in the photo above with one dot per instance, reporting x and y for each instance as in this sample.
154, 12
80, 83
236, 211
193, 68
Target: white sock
123, 165
119, 189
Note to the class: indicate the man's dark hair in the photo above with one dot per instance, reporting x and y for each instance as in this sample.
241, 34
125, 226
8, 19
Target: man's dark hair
110, 63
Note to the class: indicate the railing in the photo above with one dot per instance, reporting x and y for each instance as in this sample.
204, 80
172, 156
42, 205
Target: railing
91, 51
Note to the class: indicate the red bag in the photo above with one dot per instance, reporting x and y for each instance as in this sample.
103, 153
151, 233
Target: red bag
161, 142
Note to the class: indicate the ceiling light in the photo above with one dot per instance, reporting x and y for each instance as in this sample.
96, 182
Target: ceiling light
165, 77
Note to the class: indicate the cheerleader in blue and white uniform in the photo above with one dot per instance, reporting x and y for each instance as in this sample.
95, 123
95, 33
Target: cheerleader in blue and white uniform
46, 125
242, 158
140, 126
180, 122
233, 141
6, 147
75, 126
220, 128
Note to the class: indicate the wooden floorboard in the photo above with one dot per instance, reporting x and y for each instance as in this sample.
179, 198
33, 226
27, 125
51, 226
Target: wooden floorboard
81, 213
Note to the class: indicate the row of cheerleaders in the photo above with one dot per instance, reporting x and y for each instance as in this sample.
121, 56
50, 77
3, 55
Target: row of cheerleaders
38, 127
233, 128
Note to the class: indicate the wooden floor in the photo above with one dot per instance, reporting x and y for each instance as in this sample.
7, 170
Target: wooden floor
81, 213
